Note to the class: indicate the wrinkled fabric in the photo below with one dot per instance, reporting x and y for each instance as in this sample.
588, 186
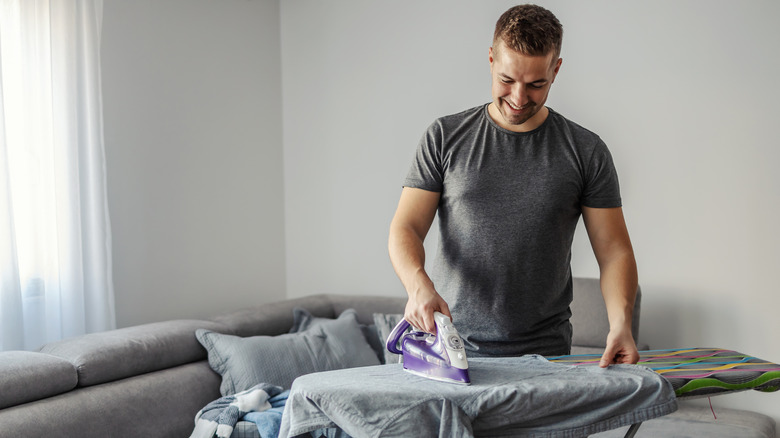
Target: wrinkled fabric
519, 396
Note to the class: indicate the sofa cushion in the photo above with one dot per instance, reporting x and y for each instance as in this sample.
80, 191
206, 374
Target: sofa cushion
273, 318
366, 306
152, 405
116, 354
327, 345
26, 376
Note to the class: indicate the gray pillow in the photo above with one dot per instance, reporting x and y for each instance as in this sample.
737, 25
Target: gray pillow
304, 320
278, 360
385, 323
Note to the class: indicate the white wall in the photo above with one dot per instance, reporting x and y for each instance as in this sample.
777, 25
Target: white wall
361, 82
684, 93
191, 92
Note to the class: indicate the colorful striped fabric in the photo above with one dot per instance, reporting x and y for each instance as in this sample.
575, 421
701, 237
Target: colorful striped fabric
701, 371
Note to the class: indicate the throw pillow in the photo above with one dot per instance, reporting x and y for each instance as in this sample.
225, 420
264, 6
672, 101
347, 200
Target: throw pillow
278, 360
304, 320
385, 323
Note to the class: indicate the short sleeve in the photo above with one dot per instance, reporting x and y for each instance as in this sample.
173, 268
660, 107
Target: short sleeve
602, 189
427, 171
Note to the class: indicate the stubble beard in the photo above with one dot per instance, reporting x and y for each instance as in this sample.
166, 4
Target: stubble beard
518, 119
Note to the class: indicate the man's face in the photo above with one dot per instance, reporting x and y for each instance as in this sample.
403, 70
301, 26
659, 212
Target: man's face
521, 84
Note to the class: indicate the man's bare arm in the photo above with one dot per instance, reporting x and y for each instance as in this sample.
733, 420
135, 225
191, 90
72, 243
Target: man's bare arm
612, 247
412, 220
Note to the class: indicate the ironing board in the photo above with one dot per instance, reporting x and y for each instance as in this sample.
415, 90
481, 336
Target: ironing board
690, 372
699, 372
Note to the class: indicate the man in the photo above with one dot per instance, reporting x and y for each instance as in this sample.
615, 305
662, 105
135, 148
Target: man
509, 181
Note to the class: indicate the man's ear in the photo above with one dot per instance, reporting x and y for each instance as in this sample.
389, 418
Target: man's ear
557, 67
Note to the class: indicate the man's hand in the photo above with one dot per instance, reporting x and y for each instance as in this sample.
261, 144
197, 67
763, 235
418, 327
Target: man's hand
420, 307
621, 348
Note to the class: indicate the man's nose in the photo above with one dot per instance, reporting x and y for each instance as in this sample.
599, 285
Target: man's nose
519, 94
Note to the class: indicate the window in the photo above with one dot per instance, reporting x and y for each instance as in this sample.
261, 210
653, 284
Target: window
55, 245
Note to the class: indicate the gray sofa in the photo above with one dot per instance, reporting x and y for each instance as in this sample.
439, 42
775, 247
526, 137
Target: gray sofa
151, 380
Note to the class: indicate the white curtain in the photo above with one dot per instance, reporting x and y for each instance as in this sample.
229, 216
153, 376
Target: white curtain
55, 236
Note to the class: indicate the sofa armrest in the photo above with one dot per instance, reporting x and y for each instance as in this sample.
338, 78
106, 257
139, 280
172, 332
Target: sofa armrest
589, 320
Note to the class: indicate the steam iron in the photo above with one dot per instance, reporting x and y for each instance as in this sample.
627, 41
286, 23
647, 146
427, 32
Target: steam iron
438, 357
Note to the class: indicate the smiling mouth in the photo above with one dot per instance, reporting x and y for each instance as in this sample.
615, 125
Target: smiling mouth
518, 108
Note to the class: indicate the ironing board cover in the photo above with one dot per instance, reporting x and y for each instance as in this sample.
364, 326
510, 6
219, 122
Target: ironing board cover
701, 371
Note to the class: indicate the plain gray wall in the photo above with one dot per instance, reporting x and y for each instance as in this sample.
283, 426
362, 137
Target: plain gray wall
191, 97
256, 149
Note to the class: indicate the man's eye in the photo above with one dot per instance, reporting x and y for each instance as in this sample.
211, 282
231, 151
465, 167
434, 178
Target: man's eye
535, 86
506, 81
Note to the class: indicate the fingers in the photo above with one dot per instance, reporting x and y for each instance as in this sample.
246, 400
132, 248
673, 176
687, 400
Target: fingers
445, 309
422, 320
610, 358
617, 354
631, 357
607, 358
618, 359
428, 323
419, 313
414, 316
620, 349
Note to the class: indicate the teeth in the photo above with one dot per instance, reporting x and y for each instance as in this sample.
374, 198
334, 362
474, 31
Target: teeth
514, 107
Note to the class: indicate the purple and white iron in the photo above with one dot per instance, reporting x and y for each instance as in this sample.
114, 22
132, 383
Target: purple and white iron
438, 357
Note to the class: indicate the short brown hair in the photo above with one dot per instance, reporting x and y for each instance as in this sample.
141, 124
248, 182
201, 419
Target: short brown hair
531, 30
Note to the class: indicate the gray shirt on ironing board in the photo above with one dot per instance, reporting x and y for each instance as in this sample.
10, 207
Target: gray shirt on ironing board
508, 397
509, 207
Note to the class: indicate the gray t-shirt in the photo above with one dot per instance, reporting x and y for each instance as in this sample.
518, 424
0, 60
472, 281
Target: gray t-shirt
509, 207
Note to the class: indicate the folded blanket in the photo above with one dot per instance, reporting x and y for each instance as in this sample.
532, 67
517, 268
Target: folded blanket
220, 416
269, 421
